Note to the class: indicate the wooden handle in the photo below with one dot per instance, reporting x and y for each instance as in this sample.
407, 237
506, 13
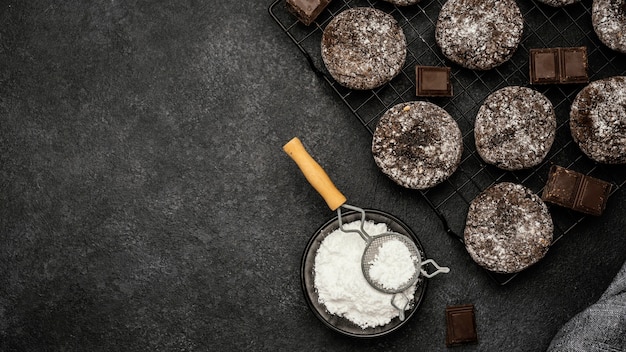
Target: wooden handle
314, 173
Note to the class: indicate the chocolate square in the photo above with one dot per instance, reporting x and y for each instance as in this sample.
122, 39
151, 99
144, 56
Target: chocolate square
306, 10
544, 66
592, 196
558, 65
574, 65
576, 191
562, 186
433, 81
460, 325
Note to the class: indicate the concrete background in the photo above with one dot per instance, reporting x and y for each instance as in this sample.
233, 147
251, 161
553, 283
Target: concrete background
146, 204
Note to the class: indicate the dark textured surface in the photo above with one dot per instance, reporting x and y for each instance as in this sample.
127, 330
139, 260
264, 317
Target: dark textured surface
145, 202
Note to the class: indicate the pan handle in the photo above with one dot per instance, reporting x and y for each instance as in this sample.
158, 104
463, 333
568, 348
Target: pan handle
314, 173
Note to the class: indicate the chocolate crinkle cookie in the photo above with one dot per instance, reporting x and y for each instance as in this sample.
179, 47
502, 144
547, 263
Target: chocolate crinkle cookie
363, 48
515, 128
598, 120
479, 34
609, 22
508, 228
417, 144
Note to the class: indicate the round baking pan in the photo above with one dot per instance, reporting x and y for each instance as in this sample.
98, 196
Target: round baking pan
340, 324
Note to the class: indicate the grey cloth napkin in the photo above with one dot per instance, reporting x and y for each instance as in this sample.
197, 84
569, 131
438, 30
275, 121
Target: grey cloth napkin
601, 326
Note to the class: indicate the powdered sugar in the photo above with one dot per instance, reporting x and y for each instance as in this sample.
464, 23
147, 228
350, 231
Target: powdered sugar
339, 280
393, 266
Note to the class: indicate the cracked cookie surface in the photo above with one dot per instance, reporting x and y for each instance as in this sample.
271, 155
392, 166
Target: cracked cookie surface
417, 144
508, 228
363, 48
515, 128
479, 34
608, 18
598, 120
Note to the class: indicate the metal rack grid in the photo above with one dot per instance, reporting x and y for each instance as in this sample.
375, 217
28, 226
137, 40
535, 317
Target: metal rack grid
544, 27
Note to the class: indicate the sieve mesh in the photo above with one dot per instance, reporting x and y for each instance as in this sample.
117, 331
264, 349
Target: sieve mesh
371, 254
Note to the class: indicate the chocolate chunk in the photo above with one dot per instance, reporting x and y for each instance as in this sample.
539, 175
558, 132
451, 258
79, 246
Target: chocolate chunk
432, 81
460, 325
562, 186
576, 191
592, 196
544, 66
558, 65
307, 10
574, 65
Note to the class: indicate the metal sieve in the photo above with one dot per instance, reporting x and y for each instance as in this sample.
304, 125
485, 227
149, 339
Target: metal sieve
335, 200
373, 245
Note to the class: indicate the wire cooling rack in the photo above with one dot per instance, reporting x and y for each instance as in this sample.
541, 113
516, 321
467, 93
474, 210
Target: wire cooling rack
544, 27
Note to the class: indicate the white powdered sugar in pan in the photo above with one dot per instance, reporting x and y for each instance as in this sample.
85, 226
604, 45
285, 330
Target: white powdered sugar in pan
341, 285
